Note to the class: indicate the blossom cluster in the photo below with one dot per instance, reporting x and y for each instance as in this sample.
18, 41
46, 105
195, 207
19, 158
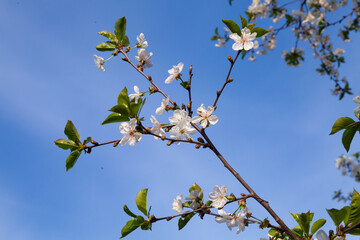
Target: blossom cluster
218, 199
349, 165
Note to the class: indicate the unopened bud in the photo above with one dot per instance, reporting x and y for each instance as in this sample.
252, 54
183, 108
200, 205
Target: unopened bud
149, 77
230, 59
163, 138
218, 92
116, 143
127, 49
242, 203
183, 107
200, 140
188, 106
167, 129
230, 80
89, 150
170, 142
190, 70
94, 142
124, 59
197, 146
243, 194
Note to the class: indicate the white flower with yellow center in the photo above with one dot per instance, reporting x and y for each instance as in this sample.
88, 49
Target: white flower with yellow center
144, 57
205, 116
130, 133
99, 62
244, 41
218, 197
174, 72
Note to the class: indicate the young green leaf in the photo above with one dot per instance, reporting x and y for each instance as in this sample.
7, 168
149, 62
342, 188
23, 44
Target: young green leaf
304, 220
71, 132
128, 212
298, 231
214, 38
71, 159
354, 215
339, 215
317, 225
105, 47
184, 220
122, 109
125, 42
108, 35
88, 140
340, 124
120, 28
129, 227
115, 117
216, 31
348, 136
251, 26
123, 98
134, 107
141, 202
146, 225
66, 144
243, 22
259, 31
232, 26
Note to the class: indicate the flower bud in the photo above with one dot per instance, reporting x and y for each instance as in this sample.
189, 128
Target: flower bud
127, 49
124, 59
197, 146
218, 92
170, 142
163, 138
230, 80
230, 59
116, 143
190, 70
242, 203
200, 140
94, 142
183, 107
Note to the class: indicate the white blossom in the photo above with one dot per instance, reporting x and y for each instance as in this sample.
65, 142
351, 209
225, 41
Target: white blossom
357, 100
144, 57
178, 116
135, 95
340, 161
99, 62
244, 41
355, 170
174, 72
205, 116
177, 204
233, 220
220, 43
164, 102
181, 131
338, 238
195, 197
256, 44
309, 18
321, 235
131, 135
142, 43
157, 128
252, 58
218, 197
339, 51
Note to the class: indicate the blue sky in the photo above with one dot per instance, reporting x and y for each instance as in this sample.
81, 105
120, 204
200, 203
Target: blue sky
273, 128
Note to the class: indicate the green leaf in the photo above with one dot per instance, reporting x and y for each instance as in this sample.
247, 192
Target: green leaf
339, 215
146, 225
120, 28
232, 26
122, 109
115, 117
105, 47
88, 140
348, 136
129, 227
184, 220
216, 31
123, 97
243, 22
304, 220
340, 124
298, 231
355, 232
128, 212
214, 38
354, 216
125, 42
65, 144
71, 159
134, 107
243, 53
251, 26
272, 232
108, 35
71, 132
317, 225
141, 202
259, 31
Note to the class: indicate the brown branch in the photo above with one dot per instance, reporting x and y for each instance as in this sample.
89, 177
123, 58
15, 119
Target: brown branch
352, 227
96, 144
218, 93
189, 105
